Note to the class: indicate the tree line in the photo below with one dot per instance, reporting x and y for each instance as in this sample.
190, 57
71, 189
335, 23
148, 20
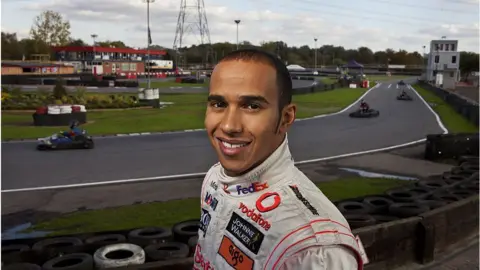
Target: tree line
51, 29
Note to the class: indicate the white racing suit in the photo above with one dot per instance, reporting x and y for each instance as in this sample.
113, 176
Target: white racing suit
273, 217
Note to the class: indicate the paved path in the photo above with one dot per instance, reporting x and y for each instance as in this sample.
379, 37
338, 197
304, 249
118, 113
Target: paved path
180, 153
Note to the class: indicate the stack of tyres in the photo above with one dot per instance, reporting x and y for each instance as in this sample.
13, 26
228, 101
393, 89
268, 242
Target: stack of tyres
108, 250
414, 199
451, 146
146, 247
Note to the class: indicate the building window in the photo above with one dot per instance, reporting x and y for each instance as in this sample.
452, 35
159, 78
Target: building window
133, 67
454, 59
453, 47
125, 67
436, 47
437, 58
447, 46
441, 47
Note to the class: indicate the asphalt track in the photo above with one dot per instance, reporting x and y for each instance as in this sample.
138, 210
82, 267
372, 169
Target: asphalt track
185, 89
190, 152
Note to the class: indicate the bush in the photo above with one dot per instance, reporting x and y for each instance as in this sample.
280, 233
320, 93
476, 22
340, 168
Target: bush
15, 99
59, 91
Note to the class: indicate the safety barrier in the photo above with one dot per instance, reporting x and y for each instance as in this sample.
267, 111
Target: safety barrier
451, 146
319, 86
414, 223
467, 108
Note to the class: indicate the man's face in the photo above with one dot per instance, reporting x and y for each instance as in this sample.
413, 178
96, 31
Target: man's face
242, 114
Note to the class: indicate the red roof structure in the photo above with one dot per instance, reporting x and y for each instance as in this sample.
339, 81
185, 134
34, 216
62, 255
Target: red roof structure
106, 50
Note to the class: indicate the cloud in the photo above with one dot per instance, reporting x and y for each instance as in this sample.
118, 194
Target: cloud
126, 20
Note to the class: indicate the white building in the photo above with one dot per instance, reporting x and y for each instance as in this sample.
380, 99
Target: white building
443, 63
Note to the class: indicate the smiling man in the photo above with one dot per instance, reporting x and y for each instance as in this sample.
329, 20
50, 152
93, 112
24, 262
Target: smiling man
258, 210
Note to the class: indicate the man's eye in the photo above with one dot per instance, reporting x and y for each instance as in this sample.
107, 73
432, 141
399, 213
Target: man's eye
215, 104
252, 106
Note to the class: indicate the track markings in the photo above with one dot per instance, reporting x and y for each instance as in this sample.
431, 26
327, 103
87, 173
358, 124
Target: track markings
197, 175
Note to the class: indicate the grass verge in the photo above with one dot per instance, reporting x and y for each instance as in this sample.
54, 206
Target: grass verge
165, 214
453, 121
187, 113
382, 78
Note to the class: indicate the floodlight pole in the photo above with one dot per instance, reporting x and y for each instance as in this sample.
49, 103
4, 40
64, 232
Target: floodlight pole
148, 42
315, 39
237, 22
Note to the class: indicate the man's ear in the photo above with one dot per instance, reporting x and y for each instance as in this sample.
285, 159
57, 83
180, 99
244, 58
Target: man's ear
288, 117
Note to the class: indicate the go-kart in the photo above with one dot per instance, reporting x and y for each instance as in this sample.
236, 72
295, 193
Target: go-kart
58, 141
361, 113
402, 83
404, 96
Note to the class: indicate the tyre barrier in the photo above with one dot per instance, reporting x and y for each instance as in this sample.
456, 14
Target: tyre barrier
451, 146
413, 222
467, 108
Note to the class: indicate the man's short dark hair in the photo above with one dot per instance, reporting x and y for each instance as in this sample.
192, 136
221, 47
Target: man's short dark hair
284, 81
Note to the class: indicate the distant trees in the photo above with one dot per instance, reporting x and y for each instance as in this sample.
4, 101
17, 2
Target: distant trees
51, 29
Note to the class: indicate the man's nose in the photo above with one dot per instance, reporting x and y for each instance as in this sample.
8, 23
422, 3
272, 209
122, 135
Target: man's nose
232, 121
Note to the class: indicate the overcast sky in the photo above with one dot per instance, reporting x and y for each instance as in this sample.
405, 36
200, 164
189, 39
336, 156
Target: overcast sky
378, 24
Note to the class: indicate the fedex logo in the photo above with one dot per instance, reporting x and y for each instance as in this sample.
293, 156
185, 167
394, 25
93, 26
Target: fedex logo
252, 188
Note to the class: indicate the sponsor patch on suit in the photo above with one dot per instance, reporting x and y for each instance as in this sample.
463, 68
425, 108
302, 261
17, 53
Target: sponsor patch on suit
245, 232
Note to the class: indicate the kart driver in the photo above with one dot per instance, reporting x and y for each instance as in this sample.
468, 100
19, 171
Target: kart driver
364, 106
258, 211
74, 130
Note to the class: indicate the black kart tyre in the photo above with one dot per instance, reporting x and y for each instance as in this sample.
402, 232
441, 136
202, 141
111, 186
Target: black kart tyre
352, 207
183, 231
42, 147
405, 98
149, 235
57, 243
462, 193
167, 251
402, 195
106, 239
470, 159
379, 205
358, 220
420, 191
369, 114
473, 186
404, 210
431, 184
446, 197
450, 178
379, 219
432, 204
118, 255
88, 144
15, 248
22, 266
192, 243
74, 261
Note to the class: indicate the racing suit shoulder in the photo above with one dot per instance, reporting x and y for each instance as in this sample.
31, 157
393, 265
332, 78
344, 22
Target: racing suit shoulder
318, 223
322, 258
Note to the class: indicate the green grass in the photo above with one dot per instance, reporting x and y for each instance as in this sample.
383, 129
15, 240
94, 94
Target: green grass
382, 78
187, 113
164, 84
328, 80
165, 214
453, 121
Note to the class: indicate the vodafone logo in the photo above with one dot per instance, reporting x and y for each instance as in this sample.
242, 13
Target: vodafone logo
263, 206
256, 217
